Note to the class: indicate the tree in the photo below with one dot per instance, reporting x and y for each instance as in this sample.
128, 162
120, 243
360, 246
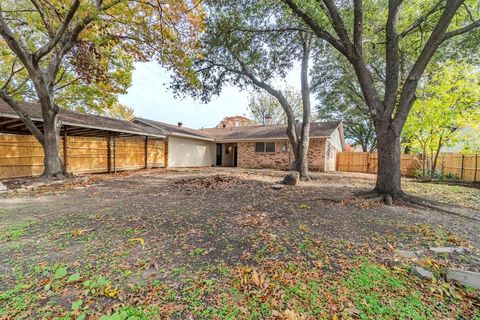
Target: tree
119, 111
449, 103
340, 98
50, 37
415, 29
262, 104
234, 52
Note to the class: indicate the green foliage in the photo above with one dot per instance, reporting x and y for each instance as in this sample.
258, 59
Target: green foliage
449, 101
262, 103
98, 66
340, 98
448, 104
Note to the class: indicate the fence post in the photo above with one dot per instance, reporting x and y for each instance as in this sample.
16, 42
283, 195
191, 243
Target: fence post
476, 168
109, 153
114, 154
443, 164
461, 173
65, 150
146, 152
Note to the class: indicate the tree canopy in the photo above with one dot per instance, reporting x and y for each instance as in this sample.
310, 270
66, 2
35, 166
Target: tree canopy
262, 103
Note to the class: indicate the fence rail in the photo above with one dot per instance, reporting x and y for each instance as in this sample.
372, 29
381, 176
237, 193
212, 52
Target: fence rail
465, 167
22, 156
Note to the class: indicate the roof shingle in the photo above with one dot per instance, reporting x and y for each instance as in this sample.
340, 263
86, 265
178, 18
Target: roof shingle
317, 130
78, 119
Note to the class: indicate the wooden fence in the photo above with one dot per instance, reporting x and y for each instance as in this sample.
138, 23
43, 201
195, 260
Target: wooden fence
22, 156
465, 167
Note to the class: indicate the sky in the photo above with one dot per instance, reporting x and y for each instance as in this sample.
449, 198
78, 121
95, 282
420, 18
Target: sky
150, 97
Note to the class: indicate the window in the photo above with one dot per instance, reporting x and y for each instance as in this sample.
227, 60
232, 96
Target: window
269, 146
265, 147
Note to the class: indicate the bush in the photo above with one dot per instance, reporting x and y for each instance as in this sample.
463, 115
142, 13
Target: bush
437, 176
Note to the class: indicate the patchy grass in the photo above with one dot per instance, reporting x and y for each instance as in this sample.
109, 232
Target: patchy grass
451, 194
173, 246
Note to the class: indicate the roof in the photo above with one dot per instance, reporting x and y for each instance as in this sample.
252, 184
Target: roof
77, 123
317, 130
170, 129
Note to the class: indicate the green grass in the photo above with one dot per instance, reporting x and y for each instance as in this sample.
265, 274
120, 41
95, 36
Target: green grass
15, 231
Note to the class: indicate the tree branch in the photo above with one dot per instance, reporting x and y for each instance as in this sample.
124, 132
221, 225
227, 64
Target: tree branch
22, 113
44, 50
318, 30
392, 58
407, 96
417, 23
463, 30
358, 26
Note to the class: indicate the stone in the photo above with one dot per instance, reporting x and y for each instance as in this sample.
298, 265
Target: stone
3, 188
277, 186
449, 249
405, 254
466, 278
421, 273
291, 178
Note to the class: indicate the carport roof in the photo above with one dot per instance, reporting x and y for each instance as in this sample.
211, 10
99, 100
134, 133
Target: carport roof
75, 123
172, 130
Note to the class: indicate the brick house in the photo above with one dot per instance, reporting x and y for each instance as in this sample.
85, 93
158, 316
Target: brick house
92, 143
261, 146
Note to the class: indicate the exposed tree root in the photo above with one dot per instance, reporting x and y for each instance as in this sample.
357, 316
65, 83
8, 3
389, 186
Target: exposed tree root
366, 193
412, 201
420, 203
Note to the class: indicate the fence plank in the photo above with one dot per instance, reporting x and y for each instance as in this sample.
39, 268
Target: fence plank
463, 166
22, 156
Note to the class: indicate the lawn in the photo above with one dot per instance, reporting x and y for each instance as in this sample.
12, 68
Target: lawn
222, 244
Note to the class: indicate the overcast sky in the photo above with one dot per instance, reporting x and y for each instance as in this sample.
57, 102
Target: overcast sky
150, 97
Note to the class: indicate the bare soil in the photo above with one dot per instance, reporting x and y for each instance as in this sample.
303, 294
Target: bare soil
158, 225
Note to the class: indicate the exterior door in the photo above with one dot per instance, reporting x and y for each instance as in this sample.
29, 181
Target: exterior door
235, 155
219, 154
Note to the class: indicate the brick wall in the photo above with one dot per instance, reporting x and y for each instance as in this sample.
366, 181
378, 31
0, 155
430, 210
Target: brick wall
248, 158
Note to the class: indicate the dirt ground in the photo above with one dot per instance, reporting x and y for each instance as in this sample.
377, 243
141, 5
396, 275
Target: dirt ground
222, 244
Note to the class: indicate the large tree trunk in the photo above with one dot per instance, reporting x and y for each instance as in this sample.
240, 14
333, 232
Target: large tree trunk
51, 130
301, 162
53, 164
304, 141
389, 173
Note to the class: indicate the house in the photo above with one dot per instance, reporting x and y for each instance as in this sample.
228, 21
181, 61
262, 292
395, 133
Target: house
91, 143
261, 146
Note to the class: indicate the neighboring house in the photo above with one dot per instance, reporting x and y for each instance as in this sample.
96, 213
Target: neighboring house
235, 121
265, 146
